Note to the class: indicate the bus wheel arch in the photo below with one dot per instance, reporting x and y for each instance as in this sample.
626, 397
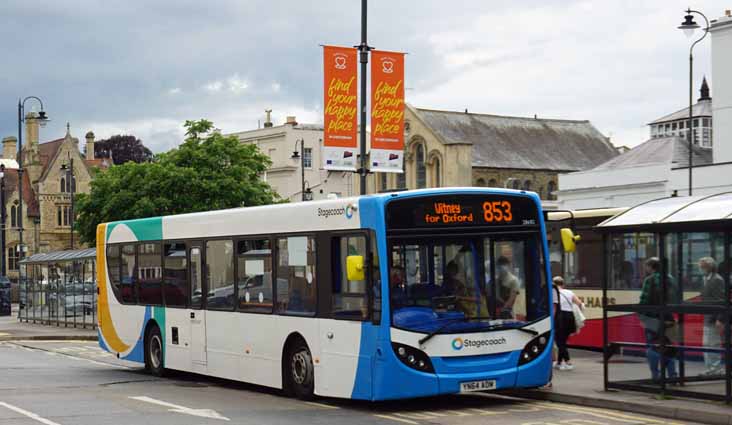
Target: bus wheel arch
298, 371
153, 348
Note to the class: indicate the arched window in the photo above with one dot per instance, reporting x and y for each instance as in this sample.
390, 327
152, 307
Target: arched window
492, 183
421, 171
438, 173
402, 178
13, 216
383, 181
480, 182
516, 183
527, 185
73, 184
541, 192
63, 184
550, 189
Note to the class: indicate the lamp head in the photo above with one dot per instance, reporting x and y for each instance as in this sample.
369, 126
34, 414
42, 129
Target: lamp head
689, 25
295, 155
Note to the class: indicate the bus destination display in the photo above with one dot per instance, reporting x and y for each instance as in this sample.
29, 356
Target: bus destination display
465, 210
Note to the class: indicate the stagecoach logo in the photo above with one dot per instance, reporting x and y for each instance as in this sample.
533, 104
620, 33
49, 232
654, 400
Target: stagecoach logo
346, 211
458, 343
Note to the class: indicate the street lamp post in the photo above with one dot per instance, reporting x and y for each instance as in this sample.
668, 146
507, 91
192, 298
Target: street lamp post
689, 26
21, 119
296, 155
363, 48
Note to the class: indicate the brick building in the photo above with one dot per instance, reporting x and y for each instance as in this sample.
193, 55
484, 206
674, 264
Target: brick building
47, 191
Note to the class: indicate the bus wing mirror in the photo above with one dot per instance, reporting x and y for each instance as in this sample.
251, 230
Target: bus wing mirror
354, 267
569, 240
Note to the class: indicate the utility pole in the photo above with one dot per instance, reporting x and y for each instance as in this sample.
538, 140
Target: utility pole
363, 48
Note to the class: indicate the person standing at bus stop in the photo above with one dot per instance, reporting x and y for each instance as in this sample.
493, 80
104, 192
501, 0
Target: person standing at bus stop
564, 323
712, 293
654, 323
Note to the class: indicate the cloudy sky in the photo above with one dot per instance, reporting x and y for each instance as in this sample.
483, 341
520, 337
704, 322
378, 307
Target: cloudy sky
144, 67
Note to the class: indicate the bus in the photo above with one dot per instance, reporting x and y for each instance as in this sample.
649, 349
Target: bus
583, 274
582, 269
387, 296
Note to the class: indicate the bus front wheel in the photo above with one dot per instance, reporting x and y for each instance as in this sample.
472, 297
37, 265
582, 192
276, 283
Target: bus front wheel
154, 352
301, 371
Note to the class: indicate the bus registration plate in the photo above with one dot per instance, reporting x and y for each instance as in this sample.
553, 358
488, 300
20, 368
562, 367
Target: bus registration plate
489, 384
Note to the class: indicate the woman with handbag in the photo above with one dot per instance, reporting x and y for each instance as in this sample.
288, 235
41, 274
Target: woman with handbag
564, 321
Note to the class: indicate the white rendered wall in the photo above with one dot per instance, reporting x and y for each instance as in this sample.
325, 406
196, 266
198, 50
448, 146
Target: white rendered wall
722, 85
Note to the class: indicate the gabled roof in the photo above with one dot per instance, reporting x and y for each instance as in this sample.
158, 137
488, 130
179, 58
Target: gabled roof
673, 151
48, 151
29, 196
699, 109
523, 143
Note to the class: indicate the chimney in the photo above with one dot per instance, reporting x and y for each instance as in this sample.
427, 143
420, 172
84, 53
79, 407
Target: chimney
291, 120
268, 120
90, 145
31, 130
728, 13
10, 147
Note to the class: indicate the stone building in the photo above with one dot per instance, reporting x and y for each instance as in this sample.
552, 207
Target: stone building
286, 173
47, 191
446, 148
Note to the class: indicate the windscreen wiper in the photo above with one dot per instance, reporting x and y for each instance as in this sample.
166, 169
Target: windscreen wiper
467, 319
446, 324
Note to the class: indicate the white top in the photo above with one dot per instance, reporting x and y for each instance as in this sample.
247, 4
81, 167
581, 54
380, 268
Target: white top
565, 298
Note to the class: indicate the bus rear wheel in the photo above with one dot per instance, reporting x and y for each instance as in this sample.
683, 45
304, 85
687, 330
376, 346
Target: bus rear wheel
301, 371
154, 352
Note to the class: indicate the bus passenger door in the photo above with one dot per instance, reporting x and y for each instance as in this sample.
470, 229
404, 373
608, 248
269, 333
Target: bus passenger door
346, 335
197, 312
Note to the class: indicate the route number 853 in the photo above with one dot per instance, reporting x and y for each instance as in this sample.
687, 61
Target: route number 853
497, 211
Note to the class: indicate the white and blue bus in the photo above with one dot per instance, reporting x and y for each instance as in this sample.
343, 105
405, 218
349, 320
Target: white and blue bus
377, 297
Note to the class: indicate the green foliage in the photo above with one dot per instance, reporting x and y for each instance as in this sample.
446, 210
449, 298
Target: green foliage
208, 171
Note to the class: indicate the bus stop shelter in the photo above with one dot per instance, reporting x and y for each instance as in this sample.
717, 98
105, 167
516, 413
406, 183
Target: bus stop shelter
59, 289
666, 297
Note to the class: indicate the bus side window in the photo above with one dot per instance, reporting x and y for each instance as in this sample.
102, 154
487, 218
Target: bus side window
296, 275
349, 297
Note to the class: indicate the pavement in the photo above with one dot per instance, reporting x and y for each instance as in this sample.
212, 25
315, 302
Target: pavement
11, 329
75, 382
582, 387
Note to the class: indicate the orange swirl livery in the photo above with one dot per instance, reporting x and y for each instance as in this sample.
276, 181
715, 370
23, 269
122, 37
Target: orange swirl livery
106, 326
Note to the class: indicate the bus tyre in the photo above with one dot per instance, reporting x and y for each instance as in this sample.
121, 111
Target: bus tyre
301, 371
154, 352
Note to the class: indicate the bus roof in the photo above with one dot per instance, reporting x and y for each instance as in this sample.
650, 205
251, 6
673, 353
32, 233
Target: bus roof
328, 214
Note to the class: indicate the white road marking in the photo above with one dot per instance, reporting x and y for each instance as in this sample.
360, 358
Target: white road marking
326, 406
28, 414
204, 413
394, 418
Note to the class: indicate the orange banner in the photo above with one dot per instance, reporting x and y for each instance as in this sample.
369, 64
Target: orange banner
387, 111
340, 108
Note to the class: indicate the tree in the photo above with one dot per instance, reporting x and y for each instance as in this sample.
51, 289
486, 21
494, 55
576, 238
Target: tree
208, 171
122, 148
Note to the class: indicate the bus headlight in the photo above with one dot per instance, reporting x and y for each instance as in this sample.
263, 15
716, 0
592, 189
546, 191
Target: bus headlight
412, 357
534, 348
